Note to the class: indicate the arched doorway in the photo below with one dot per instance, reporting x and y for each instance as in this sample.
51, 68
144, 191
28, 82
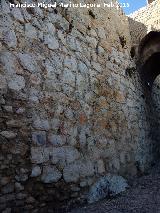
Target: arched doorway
149, 70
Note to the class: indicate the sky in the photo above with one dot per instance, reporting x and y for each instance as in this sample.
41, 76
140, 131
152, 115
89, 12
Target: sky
134, 5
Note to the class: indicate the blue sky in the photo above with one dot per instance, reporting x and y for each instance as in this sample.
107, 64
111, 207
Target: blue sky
134, 5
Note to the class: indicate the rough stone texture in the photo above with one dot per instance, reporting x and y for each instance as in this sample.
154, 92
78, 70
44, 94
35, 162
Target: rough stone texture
106, 186
50, 174
143, 196
72, 107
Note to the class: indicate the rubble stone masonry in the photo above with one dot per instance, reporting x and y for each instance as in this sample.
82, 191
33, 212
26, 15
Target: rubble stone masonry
72, 107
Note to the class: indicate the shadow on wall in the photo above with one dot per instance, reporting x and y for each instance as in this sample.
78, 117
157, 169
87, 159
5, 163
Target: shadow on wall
149, 69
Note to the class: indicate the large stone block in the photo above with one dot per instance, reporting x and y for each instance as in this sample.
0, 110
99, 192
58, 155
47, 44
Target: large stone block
16, 83
41, 124
56, 140
51, 41
50, 174
28, 62
39, 137
105, 186
79, 169
64, 155
40, 154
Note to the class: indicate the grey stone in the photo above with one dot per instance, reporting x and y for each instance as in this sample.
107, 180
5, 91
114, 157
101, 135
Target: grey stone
70, 63
21, 177
16, 83
50, 174
51, 41
92, 41
107, 185
117, 185
99, 190
69, 77
39, 137
9, 38
19, 187
21, 195
56, 140
71, 43
39, 154
5, 7
82, 68
3, 84
30, 31
78, 169
64, 155
17, 14
96, 66
55, 124
8, 61
82, 138
20, 110
41, 124
28, 62
8, 108
8, 134
15, 123
26, 15
36, 171
101, 33
34, 95
50, 28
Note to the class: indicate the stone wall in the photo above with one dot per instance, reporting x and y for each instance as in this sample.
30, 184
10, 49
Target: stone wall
72, 106
144, 20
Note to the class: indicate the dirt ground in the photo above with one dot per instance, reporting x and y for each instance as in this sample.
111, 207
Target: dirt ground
142, 197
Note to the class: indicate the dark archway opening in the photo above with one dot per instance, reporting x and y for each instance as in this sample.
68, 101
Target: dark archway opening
150, 73
150, 70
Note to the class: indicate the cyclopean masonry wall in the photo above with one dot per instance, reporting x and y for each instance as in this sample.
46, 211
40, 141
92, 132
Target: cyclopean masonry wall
72, 106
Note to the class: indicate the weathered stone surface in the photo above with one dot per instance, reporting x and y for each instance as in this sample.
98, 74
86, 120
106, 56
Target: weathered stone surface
105, 186
8, 62
10, 38
3, 83
36, 171
8, 134
28, 62
19, 186
41, 124
56, 140
30, 31
50, 174
99, 190
78, 169
51, 41
69, 77
16, 83
15, 123
70, 63
8, 108
39, 137
71, 102
39, 154
17, 14
64, 155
